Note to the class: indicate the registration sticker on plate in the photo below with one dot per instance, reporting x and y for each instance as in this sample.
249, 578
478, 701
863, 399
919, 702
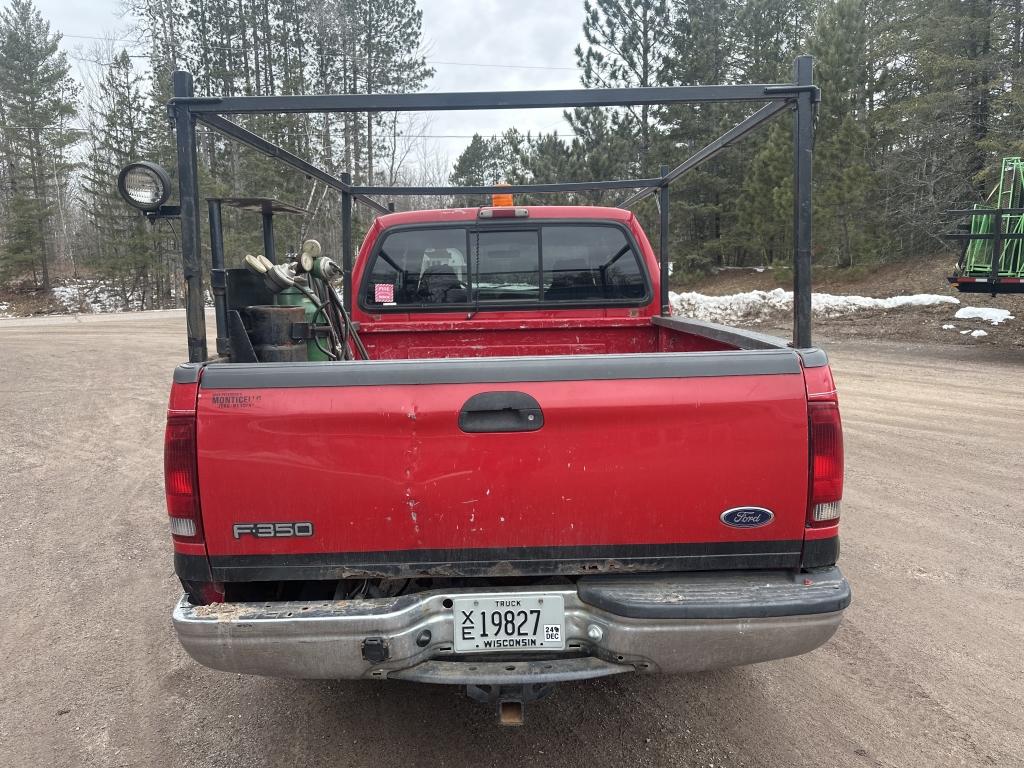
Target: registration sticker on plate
509, 622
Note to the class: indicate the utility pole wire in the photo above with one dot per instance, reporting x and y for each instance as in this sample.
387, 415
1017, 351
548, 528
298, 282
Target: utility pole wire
489, 65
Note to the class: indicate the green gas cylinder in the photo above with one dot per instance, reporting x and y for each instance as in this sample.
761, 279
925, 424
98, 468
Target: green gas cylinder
293, 297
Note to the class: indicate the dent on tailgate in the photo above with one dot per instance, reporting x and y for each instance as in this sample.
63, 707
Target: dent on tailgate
642, 465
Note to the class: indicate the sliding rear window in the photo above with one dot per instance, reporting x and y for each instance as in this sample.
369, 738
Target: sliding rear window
591, 263
419, 267
495, 267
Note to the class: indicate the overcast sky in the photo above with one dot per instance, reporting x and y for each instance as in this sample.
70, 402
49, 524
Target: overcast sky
530, 41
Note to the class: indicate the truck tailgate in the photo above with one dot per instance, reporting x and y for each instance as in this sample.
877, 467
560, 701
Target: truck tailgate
637, 459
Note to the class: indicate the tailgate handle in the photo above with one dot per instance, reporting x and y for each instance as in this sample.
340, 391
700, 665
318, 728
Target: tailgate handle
501, 412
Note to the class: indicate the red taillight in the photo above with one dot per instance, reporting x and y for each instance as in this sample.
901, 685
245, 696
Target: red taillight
181, 482
826, 464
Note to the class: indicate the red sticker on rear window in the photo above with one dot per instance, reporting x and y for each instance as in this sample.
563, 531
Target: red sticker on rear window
384, 293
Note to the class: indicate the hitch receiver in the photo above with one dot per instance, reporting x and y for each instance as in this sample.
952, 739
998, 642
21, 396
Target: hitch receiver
509, 700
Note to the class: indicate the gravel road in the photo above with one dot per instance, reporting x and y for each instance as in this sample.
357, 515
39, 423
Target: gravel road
927, 669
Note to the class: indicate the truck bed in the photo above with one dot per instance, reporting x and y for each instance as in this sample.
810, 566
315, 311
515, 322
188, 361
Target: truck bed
539, 336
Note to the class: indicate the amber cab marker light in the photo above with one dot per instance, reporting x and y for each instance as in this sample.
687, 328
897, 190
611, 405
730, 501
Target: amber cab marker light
502, 199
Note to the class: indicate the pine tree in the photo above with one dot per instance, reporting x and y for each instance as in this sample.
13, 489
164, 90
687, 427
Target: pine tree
475, 167
603, 148
37, 102
626, 47
700, 46
700, 52
1006, 136
387, 57
497, 160
766, 36
765, 206
163, 31
122, 251
934, 121
845, 183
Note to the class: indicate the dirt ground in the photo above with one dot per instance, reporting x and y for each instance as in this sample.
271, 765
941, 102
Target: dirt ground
926, 670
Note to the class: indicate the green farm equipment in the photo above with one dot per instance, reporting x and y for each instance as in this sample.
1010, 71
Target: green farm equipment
992, 258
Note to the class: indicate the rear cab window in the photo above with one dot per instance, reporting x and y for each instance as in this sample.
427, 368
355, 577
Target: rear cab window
494, 266
416, 267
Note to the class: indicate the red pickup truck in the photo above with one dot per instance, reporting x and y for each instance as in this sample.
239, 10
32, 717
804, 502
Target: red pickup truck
534, 478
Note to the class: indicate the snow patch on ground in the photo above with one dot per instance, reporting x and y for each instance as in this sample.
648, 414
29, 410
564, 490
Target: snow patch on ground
88, 296
978, 333
949, 327
85, 295
82, 296
989, 314
757, 306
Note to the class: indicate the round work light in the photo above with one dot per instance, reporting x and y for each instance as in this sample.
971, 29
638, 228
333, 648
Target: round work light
144, 185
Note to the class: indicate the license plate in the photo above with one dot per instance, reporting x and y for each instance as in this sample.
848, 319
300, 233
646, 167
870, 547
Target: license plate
528, 622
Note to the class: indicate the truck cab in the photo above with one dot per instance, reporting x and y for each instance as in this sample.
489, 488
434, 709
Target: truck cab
534, 477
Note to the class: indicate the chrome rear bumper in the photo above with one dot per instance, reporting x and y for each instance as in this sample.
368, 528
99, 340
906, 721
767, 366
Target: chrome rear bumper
667, 623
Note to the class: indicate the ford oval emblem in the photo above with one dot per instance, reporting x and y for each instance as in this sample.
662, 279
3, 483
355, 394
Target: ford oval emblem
747, 517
